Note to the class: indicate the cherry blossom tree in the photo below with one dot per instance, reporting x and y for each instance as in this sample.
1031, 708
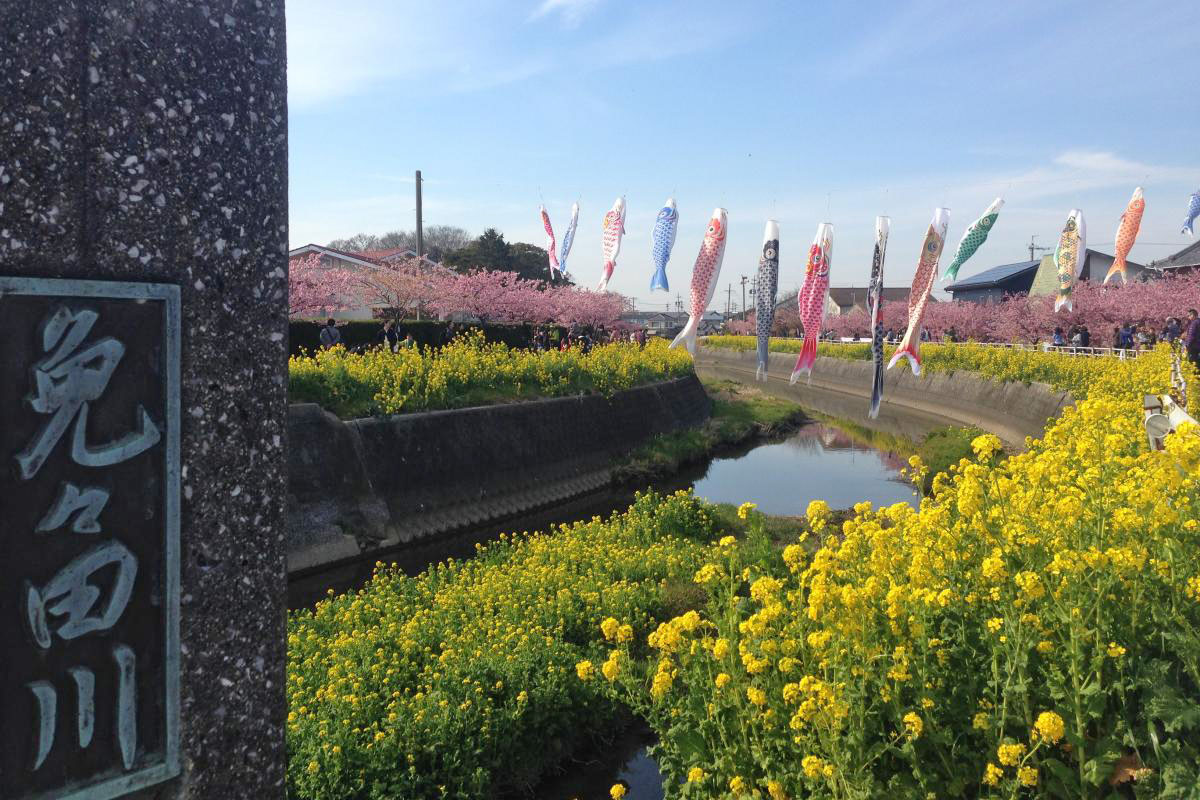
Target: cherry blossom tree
500, 296
1026, 320
316, 290
403, 288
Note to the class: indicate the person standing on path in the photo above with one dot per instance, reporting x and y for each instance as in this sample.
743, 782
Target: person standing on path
330, 335
1191, 337
388, 336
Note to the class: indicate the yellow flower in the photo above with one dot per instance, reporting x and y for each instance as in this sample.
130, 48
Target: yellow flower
617, 791
609, 628
813, 767
1049, 726
775, 790
992, 774
695, 775
1115, 650
817, 514
661, 684
1045, 646
585, 670
612, 667
720, 648
313, 767
981, 721
793, 556
721, 680
913, 725
625, 633
986, 446
1010, 754
727, 541
994, 624
1028, 776
756, 696
764, 589
744, 509
737, 784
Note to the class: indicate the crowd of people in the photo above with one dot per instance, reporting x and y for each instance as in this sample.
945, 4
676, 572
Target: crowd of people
1139, 335
553, 338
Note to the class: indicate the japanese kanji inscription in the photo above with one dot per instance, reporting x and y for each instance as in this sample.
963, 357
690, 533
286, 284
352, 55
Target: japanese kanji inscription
89, 543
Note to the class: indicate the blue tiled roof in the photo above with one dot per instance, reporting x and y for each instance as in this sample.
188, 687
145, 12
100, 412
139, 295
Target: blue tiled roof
994, 276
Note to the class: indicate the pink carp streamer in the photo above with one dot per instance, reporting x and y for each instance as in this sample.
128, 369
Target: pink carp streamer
614, 229
550, 243
812, 297
704, 277
1127, 233
922, 285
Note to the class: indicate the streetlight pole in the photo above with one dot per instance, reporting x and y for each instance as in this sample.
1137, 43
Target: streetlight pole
744, 280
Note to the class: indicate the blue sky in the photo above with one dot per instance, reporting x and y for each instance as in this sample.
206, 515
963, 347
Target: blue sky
802, 112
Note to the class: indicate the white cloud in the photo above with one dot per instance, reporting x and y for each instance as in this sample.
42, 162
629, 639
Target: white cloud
378, 48
571, 12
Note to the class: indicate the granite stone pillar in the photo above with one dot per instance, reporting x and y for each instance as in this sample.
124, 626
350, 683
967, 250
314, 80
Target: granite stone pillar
143, 346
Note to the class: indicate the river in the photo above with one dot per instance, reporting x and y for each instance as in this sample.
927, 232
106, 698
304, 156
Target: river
822, 460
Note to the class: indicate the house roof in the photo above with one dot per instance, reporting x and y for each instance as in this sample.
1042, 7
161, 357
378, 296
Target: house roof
354, 258
1187, 257
367, 258
390, 254
991, 278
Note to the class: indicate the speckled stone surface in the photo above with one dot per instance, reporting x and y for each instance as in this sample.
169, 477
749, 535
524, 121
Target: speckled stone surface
147, 141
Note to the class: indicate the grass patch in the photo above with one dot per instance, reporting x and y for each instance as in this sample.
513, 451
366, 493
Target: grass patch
740, 413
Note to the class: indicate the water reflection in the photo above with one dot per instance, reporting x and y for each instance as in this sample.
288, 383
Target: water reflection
625, 761
818, 462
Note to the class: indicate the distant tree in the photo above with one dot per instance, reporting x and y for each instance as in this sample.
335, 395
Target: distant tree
490, 251
531, 262
438, 241
441, 240
357, 243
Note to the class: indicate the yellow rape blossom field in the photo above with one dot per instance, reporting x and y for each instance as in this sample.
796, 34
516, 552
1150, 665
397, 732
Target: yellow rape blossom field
469, 372
440, 686
1032, 630
1077, 375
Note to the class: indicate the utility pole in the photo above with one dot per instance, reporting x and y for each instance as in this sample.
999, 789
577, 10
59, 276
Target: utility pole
728, 299
1034, 246
678, 302
420, 234
744, 279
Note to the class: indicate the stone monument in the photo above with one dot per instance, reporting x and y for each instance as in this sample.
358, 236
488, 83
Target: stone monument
143, 339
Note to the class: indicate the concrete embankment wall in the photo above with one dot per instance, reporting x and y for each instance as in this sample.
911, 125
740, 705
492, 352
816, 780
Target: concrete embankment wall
842, 388
362, 485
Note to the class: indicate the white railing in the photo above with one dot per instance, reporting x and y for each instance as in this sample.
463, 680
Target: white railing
1070, 350
1092, 352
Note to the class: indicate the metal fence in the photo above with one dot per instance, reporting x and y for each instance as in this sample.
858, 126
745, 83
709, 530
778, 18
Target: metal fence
1092, 352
